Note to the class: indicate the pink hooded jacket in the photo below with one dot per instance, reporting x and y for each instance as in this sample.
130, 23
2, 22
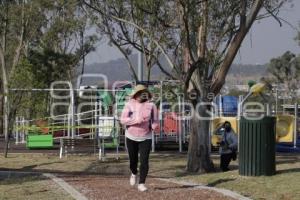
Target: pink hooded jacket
137, 116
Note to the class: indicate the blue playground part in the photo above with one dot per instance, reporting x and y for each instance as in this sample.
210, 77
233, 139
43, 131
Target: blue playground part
229, 105
288, 147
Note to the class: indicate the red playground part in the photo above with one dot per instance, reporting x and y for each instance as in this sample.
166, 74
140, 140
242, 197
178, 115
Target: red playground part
63, 133
42, 124
170, 124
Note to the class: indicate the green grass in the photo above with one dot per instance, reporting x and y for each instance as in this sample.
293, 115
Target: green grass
284, 185
31, 188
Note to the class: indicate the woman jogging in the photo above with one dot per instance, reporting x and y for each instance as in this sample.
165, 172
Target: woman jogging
140, 118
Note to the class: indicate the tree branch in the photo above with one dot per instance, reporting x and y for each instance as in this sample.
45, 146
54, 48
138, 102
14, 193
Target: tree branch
187, 31
219, 79
163, 70
135, 26
21, 40
191, 71
121, 50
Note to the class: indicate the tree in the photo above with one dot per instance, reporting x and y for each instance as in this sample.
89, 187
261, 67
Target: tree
286, 70
47, 34
202, 41
1, 107
13, 23
298, 37
128, 39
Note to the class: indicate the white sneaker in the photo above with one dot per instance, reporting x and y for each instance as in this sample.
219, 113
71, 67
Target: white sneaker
142, 188
132, 179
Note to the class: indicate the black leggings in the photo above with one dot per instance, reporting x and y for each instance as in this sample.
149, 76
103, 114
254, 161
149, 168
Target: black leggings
225, 160
134, 148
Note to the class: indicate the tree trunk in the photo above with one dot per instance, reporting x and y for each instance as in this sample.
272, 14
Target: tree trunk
1, 108
198, 153
5, 108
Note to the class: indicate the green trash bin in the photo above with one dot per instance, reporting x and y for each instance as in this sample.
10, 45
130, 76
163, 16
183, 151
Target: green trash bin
257, 140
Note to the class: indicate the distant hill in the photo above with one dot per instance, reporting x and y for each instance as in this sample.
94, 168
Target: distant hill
248, 70
241, 74
119, 70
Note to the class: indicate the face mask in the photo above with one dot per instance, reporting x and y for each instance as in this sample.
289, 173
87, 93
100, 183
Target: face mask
143, 97
143, 100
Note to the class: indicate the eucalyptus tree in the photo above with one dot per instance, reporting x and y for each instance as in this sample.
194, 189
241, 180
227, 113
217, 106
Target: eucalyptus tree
49, 34
199, 39
15, 20
286, 70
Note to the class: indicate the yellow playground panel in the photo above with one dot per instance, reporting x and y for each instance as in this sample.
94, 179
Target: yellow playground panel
285, 125
217, 124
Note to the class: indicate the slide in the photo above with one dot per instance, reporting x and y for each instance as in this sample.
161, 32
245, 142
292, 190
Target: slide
288, 147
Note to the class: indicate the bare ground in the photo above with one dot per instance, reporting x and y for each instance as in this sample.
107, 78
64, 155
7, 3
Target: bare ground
118, 188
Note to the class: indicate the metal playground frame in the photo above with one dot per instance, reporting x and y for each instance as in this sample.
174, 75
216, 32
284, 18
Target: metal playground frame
103, 122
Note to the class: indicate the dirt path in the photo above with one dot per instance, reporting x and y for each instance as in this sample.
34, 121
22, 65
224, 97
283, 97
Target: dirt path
118, 188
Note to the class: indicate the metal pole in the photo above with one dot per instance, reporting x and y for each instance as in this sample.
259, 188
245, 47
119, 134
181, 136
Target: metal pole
295, 126
178, 125
65, 125
220, 106
23, 127
52, 128
92, 129
69, 120
276, 101
17, 131
183, 121
239, 114
240, 107
26, 132
53, 89
161, 110
268, 109
72, 113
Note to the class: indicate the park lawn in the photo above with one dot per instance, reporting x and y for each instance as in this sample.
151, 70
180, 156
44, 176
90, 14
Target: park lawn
38, 162
284, 185
31, 188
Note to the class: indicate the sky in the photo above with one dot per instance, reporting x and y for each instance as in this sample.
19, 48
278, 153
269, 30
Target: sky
265, 40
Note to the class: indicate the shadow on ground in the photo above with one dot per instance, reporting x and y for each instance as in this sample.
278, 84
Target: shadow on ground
9, 177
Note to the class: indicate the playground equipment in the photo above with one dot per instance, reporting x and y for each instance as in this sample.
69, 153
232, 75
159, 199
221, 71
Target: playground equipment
287, 134
174, 127
39, 141
285, 127
286, 122
40, 133
100, 118
227, 108
108, 130
217, 129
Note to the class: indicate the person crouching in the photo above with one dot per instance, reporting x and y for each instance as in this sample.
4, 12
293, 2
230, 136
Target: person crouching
228, 146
